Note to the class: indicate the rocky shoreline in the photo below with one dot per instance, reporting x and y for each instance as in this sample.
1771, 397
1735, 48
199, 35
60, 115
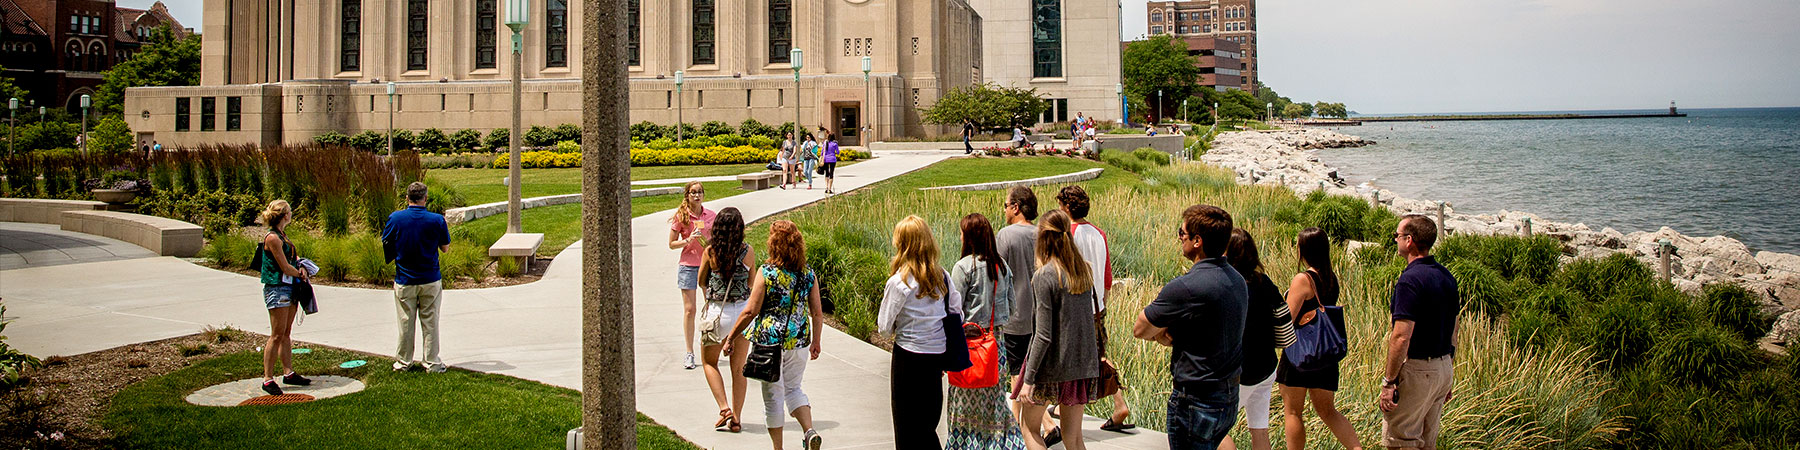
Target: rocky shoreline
1285, 158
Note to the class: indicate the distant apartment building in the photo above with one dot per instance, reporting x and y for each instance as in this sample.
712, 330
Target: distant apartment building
61, 49
1228, 20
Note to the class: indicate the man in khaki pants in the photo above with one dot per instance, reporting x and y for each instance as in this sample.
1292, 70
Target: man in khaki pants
1420, 349
412, 240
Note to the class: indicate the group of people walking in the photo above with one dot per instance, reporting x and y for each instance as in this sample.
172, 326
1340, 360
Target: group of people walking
812, 154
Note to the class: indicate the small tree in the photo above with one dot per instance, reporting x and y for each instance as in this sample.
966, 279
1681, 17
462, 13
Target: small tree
110, 135
1160, 63
403, 140
48, 135
370, 140
431, 139
1293, 111
752, 127
465, 139
538, 136
646, 131
164, 61
568, 132
1327, 109
498, 139
988, 106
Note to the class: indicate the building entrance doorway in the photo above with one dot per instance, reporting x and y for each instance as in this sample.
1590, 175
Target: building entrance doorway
849, 122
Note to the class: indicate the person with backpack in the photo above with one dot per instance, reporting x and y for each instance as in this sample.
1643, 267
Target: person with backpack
725, 279
1310, 295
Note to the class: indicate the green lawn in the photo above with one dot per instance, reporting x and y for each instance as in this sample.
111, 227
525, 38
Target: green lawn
483, 185
456, 409
561, 224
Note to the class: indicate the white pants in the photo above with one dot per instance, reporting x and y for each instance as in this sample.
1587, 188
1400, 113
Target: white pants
1254, 400
417, 306
787, 391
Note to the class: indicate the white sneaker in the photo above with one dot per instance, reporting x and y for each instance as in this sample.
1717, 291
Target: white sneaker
436, 368
689, 363
812, 440
401, 366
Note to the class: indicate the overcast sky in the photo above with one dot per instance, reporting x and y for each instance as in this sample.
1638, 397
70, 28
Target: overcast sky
1399, 56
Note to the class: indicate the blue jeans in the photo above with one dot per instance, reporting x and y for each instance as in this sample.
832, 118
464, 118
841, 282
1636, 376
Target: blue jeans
1201, 416
809, 165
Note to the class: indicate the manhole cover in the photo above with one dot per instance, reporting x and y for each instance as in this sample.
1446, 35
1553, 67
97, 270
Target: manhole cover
241, 392
282, 399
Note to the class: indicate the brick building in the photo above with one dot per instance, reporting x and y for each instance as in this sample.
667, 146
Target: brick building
61, 49
1228, 20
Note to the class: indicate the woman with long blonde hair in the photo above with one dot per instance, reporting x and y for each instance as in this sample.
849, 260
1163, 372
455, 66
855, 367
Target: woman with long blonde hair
689, 229
1063, 365
914, 304
280, 259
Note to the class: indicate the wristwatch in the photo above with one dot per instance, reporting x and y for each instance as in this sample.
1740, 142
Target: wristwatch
1385, 382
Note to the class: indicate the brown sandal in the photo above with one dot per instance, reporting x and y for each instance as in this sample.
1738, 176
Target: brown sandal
725, 418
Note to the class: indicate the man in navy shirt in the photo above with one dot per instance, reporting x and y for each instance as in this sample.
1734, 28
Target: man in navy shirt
412, 240
1418, 369
1201, 315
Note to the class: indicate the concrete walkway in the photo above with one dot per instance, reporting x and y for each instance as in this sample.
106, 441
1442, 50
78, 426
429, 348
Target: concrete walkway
529, 331
34, 244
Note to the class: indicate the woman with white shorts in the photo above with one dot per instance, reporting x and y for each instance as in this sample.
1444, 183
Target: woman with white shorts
1267, 326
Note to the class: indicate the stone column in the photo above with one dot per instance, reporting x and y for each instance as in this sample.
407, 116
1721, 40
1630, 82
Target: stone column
608, 401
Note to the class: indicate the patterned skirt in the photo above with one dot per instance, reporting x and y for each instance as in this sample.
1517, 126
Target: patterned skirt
1070, 393
980, 419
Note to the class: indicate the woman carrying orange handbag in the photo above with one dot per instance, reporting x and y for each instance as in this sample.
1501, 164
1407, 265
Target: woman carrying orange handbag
979, 414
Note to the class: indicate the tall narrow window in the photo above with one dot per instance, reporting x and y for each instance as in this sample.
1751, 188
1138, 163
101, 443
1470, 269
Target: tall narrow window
780, 30
556, 33
485, 30
631, 32
207, 106
233, 107
1046, 38
417, 15
182, 113
350, 41
703, 32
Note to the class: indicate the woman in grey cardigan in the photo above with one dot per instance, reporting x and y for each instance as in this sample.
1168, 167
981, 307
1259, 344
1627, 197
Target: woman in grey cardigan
1063, 365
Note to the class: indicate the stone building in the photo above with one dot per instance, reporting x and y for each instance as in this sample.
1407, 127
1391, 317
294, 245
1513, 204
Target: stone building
59, 49
283, 71
1067, 49
1230, 20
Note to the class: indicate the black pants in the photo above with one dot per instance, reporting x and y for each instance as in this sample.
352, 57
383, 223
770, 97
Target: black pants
918, 399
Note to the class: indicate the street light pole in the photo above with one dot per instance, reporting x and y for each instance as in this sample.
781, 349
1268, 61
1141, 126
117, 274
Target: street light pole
1159, 108
85, 103
868, 137
518, 13
1119, 90
679, 78
1184, 116
391, 87
12, 125
795, 58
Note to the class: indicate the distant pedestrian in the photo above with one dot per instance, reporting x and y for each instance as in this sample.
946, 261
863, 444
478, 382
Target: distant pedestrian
1419, 367
829, 167
1062, 366
725, 278
981, 419
411, 240
783, 311
1090, 240
689, 229
968, 132
278, 295
809, 157
1201, 315
1267, 326
1017, 244
914, 303
155, 146
1018, 138
1308, 293
787, 157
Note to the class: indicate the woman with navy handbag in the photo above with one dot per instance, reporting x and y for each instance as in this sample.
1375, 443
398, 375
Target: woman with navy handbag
916, 304
1313, 296
980, 415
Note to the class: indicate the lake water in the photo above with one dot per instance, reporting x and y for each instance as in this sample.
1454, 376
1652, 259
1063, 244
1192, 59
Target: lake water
1734, 172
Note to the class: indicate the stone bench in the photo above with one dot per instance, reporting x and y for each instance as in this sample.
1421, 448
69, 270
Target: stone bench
1035, 140
523, 246
166, 237
757, 181
45, 211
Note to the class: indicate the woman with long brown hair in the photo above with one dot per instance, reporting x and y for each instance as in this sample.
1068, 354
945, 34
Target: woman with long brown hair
783, 310
1311, 289
725, 278
1267, 326
914, 303
981, 418
689, 229
1063, 364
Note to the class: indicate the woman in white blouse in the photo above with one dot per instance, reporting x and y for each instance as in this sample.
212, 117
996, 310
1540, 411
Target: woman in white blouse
913, 306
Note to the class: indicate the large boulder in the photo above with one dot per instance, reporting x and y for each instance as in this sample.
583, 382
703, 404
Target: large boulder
1783, 262
1787, 329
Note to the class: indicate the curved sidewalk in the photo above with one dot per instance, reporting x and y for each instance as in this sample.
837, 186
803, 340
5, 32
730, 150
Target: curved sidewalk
530, 331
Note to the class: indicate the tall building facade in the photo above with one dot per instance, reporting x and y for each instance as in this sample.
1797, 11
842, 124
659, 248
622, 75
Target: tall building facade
1230, 20
61, 49
1067, 49
283, 71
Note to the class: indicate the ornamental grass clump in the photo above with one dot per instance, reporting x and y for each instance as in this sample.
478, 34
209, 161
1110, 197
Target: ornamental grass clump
1705, 354
1736, 309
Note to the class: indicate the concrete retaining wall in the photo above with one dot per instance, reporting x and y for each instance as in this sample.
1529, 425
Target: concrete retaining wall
1053, 179
1166, 144
45, 211
455, 216
165, 236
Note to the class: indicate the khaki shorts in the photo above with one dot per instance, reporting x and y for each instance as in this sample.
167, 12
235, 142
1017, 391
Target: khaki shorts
1424, 383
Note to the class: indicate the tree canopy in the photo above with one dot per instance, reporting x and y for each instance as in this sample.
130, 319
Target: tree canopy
1331, 110
163, 61
1161, 63
988, 105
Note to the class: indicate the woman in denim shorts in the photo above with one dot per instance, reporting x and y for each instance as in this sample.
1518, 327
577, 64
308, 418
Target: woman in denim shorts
278, 296
689, 229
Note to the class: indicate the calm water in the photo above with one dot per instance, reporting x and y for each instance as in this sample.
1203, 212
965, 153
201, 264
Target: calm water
1734, 172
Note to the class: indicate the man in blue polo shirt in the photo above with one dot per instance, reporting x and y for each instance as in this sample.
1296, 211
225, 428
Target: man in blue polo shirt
412, 240
1418, 369
1201, 315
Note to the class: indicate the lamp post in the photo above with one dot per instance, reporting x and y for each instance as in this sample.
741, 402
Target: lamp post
795, 60
518, 13
85, 103
1159, 108
1119, 90
12, 123
1271, 116
391, 88
868, 64
680, 77
1184, 116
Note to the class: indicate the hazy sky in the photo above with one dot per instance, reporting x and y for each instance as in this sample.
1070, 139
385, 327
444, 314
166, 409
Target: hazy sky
1394, 56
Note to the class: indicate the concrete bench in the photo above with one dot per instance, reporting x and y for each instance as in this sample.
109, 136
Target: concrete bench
166, 237
45, 211
757, 181
523, 246
1035, 140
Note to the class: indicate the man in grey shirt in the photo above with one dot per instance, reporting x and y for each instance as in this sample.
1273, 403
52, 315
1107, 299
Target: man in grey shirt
1017, 243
